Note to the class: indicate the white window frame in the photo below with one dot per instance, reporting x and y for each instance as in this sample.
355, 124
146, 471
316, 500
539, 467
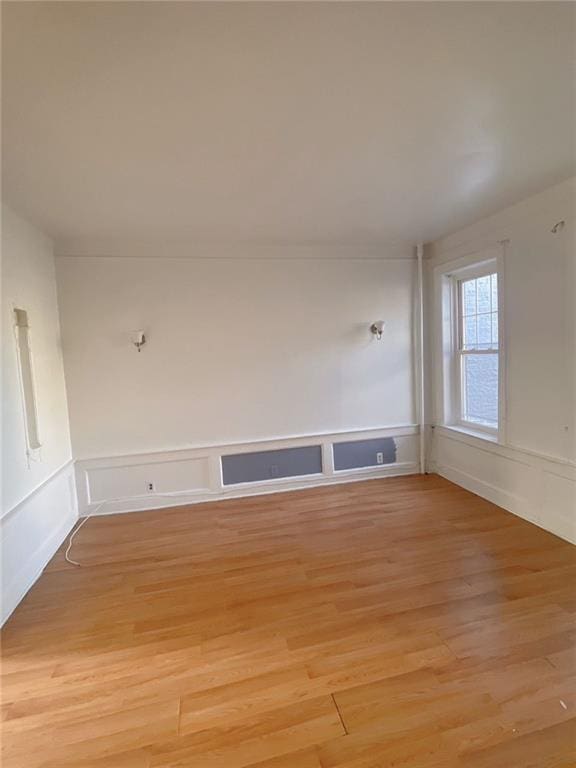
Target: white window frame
447, 278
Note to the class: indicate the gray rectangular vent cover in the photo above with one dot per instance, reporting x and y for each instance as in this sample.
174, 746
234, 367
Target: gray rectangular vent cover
268, 465
364, 453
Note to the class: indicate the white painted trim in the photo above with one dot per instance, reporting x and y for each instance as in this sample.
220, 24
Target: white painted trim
466, 251
182, 250
493, 446
214, 488
264, 443
492, 493
535, 487
14, 592
6, 513
421, 369
244, 490
25, 553
507, 501
444, 336
328, 458
491, 437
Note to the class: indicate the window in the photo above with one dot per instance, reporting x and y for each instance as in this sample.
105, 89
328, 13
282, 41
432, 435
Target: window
471, 349
478, 350
22, 331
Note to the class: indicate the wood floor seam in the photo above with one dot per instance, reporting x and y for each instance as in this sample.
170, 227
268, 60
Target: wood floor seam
339, 714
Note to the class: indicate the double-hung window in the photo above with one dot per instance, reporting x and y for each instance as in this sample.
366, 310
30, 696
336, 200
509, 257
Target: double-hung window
477, 351
471, 345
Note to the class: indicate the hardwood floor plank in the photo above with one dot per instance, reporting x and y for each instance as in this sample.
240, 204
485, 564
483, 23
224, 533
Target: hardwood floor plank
552, 747
402, 622
272, 734
303, 758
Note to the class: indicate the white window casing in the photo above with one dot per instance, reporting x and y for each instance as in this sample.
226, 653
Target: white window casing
453, 355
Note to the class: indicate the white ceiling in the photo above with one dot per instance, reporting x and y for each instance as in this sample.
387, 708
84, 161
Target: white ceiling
343, 124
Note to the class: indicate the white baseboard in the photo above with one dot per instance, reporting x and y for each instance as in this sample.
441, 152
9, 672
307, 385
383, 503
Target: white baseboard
24, 580
31, 534
537, 488
109, 485
487, 491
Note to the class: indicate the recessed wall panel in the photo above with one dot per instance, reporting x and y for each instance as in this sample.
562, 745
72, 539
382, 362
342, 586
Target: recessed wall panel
268, 465
364, 453
120, 482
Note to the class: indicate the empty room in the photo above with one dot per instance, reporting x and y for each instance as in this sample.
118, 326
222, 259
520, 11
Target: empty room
288, 384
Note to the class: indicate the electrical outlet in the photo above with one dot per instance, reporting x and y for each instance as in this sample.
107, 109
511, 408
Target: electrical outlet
379, 458
274, 471
150, 487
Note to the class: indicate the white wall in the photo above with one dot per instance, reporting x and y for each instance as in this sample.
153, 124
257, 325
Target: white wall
38, 499
239, 351
534, 472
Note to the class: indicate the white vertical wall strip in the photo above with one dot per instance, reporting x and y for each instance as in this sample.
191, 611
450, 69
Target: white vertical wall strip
421, 372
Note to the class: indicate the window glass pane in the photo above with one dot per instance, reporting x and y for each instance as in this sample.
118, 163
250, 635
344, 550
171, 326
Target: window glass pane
483, 291
484, 331
470, 332
480, 389
479, 308
469, 297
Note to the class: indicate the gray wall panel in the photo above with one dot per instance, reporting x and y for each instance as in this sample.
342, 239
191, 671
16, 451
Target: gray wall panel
364, 453
267, 465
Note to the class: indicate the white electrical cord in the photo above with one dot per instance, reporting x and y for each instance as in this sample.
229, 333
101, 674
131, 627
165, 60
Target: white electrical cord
98, 508
74, 532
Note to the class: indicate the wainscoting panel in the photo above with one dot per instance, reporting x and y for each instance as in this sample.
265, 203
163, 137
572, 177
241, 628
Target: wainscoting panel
558, 512
538, 488
208, 473
266, 465
133, 480
364, 453
32, 531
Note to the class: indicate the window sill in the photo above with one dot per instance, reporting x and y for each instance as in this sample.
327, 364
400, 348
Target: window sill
477, 433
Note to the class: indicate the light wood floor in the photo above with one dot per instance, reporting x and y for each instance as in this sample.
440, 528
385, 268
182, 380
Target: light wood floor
402, 622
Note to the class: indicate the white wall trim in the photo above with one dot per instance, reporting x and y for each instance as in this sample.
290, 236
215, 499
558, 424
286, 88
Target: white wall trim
444, 342
14, 592
185, 250
535, 487
243, 490
503, 449
508, 501
264, 443
25, 499
206, 476
39, 523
